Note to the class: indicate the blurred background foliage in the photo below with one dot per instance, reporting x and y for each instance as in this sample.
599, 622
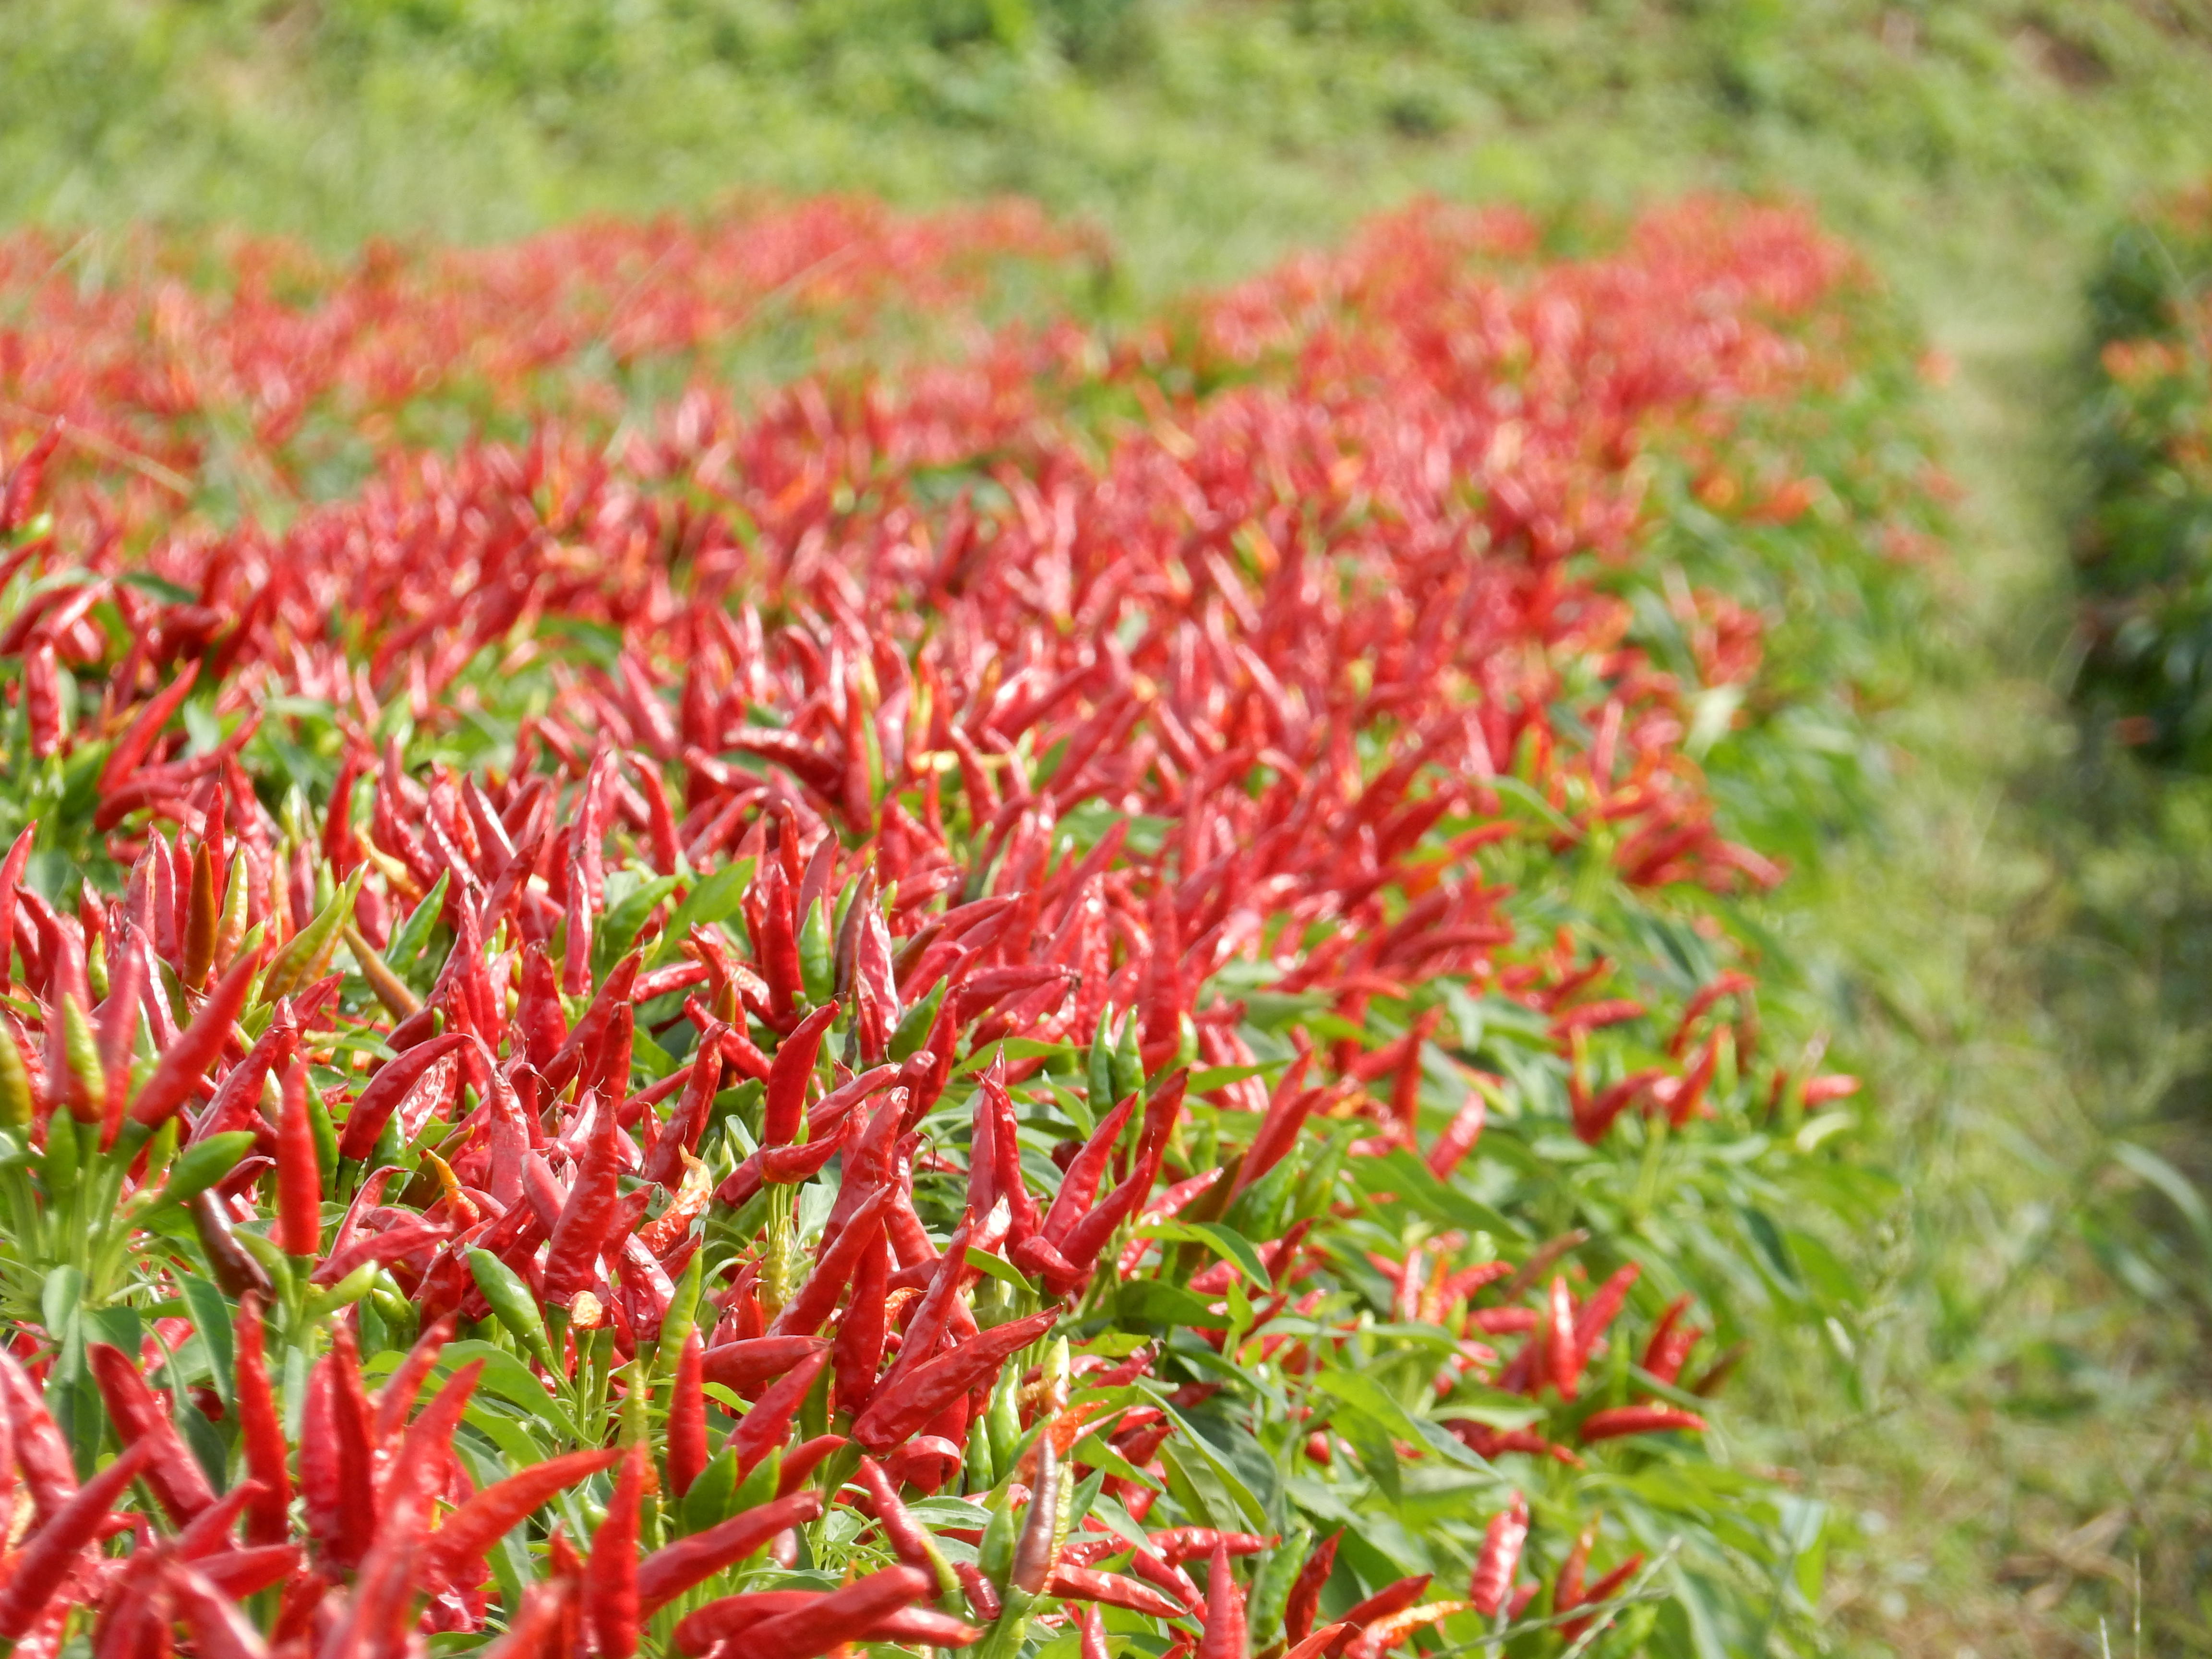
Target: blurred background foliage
2017, 954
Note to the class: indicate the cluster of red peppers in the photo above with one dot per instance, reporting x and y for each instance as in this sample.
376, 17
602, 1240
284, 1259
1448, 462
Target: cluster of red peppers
850, 1037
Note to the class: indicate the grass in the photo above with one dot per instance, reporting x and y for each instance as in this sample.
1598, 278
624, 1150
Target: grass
2018, 1449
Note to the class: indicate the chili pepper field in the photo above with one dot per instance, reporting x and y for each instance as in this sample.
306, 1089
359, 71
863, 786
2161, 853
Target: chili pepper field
875, 914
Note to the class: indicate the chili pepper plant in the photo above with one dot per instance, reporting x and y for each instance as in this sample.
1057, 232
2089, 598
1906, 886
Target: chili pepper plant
2144, 544
1097, 996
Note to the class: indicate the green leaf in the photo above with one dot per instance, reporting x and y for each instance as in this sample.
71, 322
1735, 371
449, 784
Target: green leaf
716, 898
619, 927
212, 1317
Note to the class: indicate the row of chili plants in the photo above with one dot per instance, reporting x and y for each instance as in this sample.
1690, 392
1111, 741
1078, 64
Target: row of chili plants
1097, 998
2144, 549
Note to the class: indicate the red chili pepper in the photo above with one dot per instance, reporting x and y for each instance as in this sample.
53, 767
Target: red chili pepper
1664, 1348
1112, 1589
243, 1572
260, 1430
1492, 1578
902, 1531
1175, 1545
1459, 1137
610, 1588
687, 1416
789, 1074
1223, 1637
742, 1366
299, 1180
924, 1627
1601, 1309
859, 1350
39, 1445
1562, 1361
209, 1530
590, 1033
896, 1414
767, 1426
592, 1206
842, 1615
394, 1081
468, 1534
1304, 1599
178, 1481
217, 1625
11, 877
674, 1568
812, 1304
41, 1567
1618, 1420
1078, 1188
42, 698
1392, 1598
237, 1102
130, 748
1600, 1591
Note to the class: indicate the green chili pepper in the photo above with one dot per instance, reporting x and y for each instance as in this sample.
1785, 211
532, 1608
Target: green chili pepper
1098, 1064
203, 1163
57, 1165
307, 952
913, 1026
82, 1048
15, 1084
1270, 1586
1004, 1419
817, 963
513, 1305
995, 1555
682, 1317
1128, 1061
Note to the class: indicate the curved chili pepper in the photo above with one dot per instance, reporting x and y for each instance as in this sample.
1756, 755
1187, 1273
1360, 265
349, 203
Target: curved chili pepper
394, 1081
130, 748
179, 1483
842, 1615
11, 876
1618, 1420
260, 1430
42, 1564
1223, 1637
1492, 1577
217, 1625
1601, 1591
896, 1414
591, 1031
745, 1365
789, 1074
859, 1349
469, 1531
674, 1568
39, 1447
1304, 1599
299, 1180
812, 1304
594, 1204
610, 1588
1111, 1590
767, 1426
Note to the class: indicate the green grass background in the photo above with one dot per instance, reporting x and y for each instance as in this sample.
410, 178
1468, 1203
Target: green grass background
2016, 954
